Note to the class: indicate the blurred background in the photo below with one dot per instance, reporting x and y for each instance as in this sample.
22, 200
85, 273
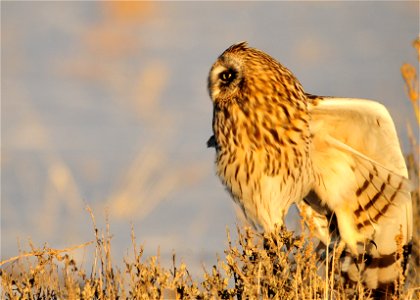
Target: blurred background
105, 104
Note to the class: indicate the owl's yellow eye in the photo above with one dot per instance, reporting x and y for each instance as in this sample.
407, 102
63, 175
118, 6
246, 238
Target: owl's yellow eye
227, 76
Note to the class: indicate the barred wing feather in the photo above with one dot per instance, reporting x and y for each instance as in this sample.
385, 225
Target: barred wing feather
362, 178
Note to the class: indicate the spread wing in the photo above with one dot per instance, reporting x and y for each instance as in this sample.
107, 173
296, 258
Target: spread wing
362, 177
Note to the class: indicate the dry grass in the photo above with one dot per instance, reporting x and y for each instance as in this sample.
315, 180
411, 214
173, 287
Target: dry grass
277, 266
280, 265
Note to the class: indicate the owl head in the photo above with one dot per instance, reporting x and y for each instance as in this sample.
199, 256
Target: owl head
242, 73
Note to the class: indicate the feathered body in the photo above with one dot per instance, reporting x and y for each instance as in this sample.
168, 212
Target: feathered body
333, 157
254, 124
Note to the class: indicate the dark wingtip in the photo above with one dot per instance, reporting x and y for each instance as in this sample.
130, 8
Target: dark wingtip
211, 143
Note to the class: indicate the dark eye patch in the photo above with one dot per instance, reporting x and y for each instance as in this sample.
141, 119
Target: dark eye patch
227, 76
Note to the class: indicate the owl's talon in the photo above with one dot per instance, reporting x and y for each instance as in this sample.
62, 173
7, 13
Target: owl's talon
373, 243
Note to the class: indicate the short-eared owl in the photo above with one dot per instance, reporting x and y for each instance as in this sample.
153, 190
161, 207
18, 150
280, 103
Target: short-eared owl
336, 158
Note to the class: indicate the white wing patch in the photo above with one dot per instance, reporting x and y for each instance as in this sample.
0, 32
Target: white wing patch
363, 125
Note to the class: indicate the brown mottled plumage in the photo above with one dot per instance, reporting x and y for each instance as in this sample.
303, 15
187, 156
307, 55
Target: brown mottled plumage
276, 145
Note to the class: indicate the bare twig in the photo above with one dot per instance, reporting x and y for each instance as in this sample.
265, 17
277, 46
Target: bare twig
49, 251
